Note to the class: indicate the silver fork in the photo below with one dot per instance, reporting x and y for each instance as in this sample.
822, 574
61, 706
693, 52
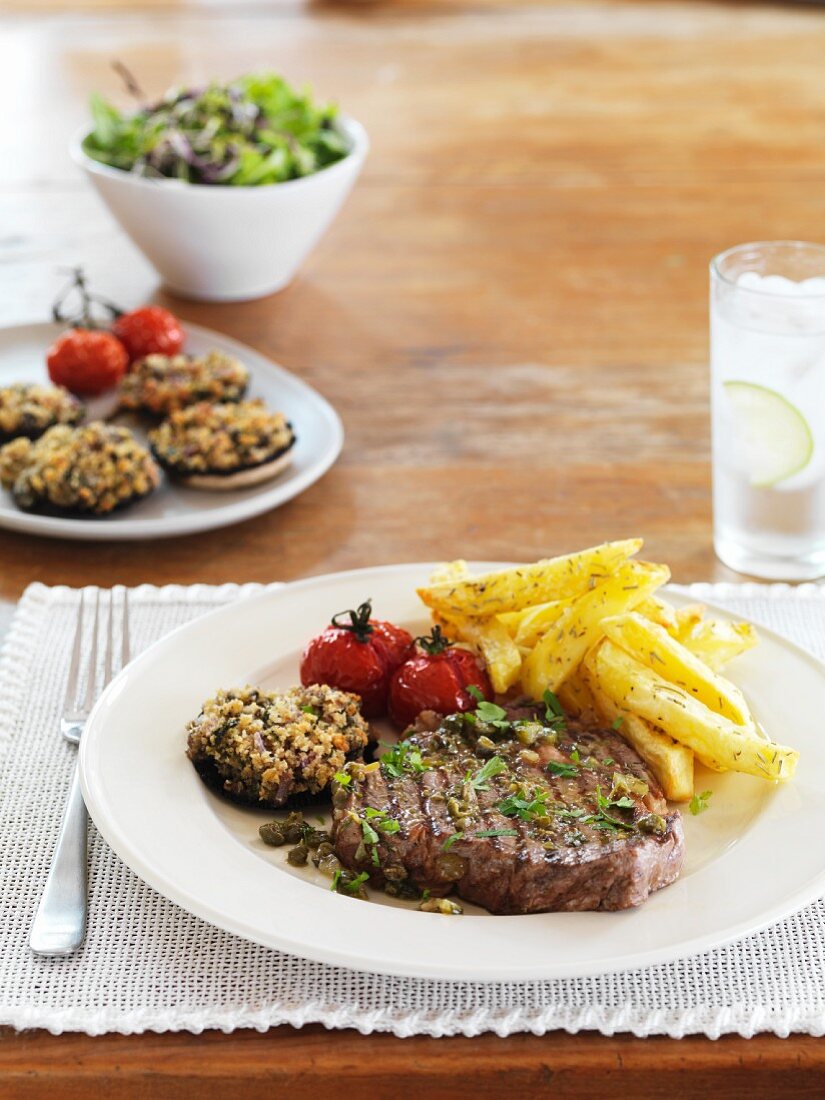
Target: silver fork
60, 922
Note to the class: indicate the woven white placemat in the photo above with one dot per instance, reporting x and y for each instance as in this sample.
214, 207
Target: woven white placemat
148, 965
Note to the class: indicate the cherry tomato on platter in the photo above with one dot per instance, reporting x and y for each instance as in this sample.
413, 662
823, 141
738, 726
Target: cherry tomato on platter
150, 330
358, 656
436, 677
86, 361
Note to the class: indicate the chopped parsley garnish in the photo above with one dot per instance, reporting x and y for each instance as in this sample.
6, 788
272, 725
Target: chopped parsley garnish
351, 885
564, 771
496, 832
699, 803
604, 820
382, 822
403, 757
553, 712
524, 805
574, 755
343, 779
489, 713
608, 760
307, 709
624, 803
371, 821
494, 766
617, 724
450, 841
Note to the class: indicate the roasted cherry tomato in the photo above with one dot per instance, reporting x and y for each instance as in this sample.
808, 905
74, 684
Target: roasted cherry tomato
436, 677
358, 656
86, 361
150, 330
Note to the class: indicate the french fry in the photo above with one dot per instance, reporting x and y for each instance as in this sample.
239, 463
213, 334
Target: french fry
493, 642
715, 740
653, 646
527, 626
449, 572
687, 618
671, 763
718, 641
561, 649
659, 611
526, 585
577, 698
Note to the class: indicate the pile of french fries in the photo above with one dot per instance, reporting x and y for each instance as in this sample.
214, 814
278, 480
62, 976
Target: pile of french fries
590, 627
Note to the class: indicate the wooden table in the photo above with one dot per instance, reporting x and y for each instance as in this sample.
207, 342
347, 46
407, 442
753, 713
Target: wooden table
510, 315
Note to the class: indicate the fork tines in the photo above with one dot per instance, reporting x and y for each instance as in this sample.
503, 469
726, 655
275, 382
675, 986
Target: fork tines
84, 685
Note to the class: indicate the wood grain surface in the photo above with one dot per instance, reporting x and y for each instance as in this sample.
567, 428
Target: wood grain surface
510, 315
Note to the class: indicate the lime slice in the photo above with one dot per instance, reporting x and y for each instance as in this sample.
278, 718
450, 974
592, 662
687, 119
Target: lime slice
773, 433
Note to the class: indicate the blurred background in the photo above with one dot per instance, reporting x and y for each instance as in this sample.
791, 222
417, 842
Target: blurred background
546, 186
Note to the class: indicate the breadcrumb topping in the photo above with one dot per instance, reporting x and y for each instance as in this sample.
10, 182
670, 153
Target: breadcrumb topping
161, 384
268, 746
221, 438
93, 469
29, 409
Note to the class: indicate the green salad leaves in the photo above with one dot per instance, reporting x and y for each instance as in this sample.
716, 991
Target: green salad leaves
253, 131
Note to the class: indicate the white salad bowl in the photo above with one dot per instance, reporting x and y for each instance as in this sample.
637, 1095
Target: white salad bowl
220, 243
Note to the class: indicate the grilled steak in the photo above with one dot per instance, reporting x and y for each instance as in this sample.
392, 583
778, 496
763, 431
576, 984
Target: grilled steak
528, 815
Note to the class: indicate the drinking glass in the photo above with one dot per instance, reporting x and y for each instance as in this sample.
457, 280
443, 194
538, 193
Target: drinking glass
767, 324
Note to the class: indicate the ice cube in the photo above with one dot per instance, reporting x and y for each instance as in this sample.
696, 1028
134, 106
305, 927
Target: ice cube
750, 280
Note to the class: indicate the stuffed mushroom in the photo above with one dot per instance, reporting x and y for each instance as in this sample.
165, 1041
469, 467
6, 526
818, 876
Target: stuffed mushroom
27, 410
161, 384
88, 471
223, 446
267, 748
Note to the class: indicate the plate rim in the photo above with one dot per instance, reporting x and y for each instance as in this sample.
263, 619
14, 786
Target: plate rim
810, 891
139, 528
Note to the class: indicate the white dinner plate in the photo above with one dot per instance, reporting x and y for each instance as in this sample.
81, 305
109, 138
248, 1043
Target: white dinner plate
752, 858
173, 509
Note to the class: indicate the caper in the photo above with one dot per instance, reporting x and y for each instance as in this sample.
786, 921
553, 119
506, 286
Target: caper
529, 756
529, 732
340, 797
297, 856
441, 905
328, 864
453, 807
314, 837
628, 785
402, 890
652, 823
485, 746
293, 827
272, 833
451, 866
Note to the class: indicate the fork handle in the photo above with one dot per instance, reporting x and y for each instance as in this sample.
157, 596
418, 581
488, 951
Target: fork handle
60, 923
